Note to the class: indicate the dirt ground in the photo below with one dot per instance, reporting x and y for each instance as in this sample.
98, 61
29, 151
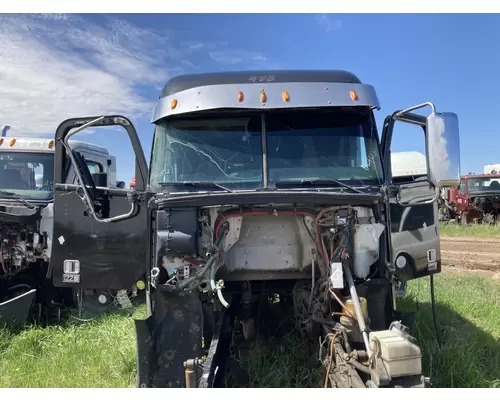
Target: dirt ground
478, 254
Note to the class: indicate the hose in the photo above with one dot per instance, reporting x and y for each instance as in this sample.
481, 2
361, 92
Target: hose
187, 282
221, 297
209, 266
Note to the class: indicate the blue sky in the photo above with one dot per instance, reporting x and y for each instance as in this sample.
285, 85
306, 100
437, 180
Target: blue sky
59, 66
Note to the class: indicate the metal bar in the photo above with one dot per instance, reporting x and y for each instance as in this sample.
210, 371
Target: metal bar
81, 128
357, 308
264, 151
426, 104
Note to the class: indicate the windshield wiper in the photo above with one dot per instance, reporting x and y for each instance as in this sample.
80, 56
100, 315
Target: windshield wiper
18, 197
198, 185
315, 183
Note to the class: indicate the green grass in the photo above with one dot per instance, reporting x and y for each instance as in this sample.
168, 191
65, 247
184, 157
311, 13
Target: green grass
283, 362
468, 312
102, 353
469, 230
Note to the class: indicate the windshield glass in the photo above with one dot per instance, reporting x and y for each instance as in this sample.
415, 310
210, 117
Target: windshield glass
483, 184
337, 144
30, 175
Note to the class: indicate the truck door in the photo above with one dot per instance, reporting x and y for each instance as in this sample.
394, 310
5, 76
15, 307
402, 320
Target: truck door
413, 203
100, 234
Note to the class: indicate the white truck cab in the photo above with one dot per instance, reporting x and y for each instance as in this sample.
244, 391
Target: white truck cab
27, 164
27, 169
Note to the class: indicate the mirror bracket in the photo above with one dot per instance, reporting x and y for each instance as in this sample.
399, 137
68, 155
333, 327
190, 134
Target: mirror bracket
399, 114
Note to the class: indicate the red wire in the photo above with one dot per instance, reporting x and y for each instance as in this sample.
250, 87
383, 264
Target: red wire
190, 260
319, 242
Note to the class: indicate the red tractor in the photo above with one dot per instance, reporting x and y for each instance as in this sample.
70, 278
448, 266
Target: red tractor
477, 199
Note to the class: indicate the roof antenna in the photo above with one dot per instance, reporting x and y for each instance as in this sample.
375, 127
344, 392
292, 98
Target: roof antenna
5, 128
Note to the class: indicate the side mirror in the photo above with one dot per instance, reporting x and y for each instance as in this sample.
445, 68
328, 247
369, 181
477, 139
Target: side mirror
443, 150
442, 147
86, 186
100, 179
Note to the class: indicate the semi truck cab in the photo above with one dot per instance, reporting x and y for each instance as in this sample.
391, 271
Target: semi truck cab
27, 218
262, 183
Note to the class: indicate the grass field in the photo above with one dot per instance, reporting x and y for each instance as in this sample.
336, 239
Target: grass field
453, 229
102, 353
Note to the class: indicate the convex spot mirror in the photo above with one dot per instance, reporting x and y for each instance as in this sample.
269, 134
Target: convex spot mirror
443, 149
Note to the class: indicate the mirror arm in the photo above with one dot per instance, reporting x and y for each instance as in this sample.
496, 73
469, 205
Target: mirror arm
86, 197
422, 203
426, 104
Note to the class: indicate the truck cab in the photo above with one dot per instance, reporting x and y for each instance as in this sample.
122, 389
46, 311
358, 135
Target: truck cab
478, 199
260, 184
27, 215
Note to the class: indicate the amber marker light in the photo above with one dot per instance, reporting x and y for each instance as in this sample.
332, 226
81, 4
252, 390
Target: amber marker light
240, 97
51, 144
12, 142
354, 95
174, 104
263, 97
286, 96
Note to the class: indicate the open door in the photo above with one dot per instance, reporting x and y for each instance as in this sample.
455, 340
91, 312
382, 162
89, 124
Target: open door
415, 188
100, 237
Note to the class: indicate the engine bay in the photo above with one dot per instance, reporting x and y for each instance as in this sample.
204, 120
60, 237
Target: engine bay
322, 267
25, 236
263, 243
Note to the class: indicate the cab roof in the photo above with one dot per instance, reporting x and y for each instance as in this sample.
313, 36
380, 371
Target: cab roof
35, 144
185, 82
475, 176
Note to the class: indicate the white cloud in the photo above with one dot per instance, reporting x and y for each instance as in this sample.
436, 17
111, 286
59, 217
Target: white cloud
59, 66
328, 23
194, 46
236, 56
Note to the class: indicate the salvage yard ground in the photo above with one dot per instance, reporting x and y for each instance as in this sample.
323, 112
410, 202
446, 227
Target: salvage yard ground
101, 353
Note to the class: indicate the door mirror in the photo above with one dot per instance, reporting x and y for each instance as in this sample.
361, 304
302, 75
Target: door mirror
88, 182
100, 179
438, 168
443, 149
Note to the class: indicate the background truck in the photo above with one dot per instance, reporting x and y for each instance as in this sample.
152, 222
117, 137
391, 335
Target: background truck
26, 224
478, 199
269, 205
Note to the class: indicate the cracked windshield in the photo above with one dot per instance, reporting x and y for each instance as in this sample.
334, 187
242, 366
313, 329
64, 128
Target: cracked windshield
301, 145
29, 175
